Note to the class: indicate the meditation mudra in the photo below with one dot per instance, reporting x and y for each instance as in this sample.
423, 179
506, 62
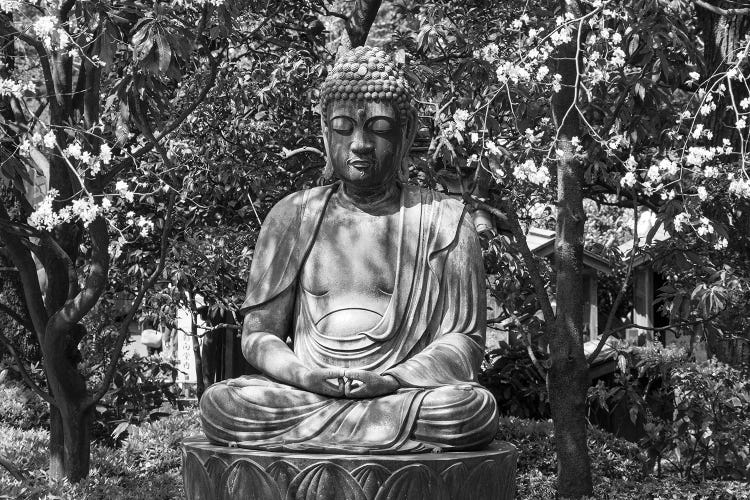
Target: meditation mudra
379, 285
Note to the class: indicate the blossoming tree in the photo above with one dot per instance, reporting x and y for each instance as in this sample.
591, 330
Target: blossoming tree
638, 104
91, 92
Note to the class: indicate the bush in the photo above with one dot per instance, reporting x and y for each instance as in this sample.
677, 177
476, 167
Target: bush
615, 465
695, 417
143, 389
21, 407
708, 432
146, 467
512, 378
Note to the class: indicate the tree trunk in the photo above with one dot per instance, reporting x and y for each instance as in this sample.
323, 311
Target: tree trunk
69, 423
568, 374
722, 38
360, 21
200, 386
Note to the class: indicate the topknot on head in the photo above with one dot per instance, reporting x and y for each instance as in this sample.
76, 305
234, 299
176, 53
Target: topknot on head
367, 73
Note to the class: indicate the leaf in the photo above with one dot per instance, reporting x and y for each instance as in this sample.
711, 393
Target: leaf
164, 53
108, 45
640, 90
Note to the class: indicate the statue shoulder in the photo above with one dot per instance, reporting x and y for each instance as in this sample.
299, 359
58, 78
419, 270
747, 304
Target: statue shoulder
448, 204
292, 207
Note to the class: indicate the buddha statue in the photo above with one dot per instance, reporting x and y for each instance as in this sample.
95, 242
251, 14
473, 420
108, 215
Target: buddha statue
366, 307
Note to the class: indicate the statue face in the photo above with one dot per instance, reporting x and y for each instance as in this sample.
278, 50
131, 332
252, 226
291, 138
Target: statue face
364, 142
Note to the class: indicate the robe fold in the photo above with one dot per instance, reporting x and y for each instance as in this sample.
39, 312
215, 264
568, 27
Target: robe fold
430, 338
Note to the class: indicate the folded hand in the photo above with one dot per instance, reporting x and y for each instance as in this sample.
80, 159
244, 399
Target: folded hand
367, 384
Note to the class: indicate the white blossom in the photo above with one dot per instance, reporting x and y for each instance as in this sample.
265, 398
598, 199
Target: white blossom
680, 220
710, 172
653, 173
74, 150
628, 180
12, 88
85, 209
461, 116
740, 187
669, 166
542, 72
697, 156
24, 149
631, 164
44, 216
556, 82
489, 52
697, 131
702, 193
9, 5
492, 147
530, 172
124, 190
49, 139
618, 57
105, 153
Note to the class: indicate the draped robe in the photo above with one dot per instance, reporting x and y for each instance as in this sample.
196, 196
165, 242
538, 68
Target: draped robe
430, 338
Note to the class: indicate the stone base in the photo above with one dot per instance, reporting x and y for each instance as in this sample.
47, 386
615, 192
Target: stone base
223, 473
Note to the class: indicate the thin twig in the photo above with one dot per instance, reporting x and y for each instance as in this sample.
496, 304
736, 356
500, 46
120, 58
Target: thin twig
621, 292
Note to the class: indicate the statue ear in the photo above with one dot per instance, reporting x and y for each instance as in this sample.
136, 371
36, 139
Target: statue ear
408, 140
328, 169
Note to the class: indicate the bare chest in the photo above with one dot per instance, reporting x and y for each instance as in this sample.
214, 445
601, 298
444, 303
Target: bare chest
353, 254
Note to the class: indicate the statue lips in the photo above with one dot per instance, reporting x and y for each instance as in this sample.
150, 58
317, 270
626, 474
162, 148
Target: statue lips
360, 163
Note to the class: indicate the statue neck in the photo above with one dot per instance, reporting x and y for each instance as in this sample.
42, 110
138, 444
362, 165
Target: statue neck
372, 199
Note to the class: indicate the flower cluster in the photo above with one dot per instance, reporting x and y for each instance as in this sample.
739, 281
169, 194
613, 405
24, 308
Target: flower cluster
11, 88
528, 171
46, 218
47, 30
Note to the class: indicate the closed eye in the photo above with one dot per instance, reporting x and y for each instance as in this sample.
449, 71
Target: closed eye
342, 125
380, 125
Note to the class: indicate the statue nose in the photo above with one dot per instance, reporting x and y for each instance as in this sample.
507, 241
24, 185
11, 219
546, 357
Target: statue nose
361, 145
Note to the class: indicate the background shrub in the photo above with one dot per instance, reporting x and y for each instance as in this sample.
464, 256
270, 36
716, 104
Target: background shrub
517, 385
146, 466
21, 407
695, 417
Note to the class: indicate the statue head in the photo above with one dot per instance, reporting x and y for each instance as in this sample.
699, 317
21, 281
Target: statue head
367, 117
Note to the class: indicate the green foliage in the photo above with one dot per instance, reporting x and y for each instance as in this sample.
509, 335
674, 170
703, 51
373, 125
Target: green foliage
143, 389
616, 466
695, 416
146, 467
21, 407
708, 433
518, 387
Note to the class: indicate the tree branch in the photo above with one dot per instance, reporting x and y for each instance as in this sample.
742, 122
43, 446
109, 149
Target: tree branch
509, 214
288, 153
16, 317
123, 333
65, 8
77, 307
360, 21
21, 258
171, 127
719, 11
25, 374
10, 467
621, 292
49, 81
